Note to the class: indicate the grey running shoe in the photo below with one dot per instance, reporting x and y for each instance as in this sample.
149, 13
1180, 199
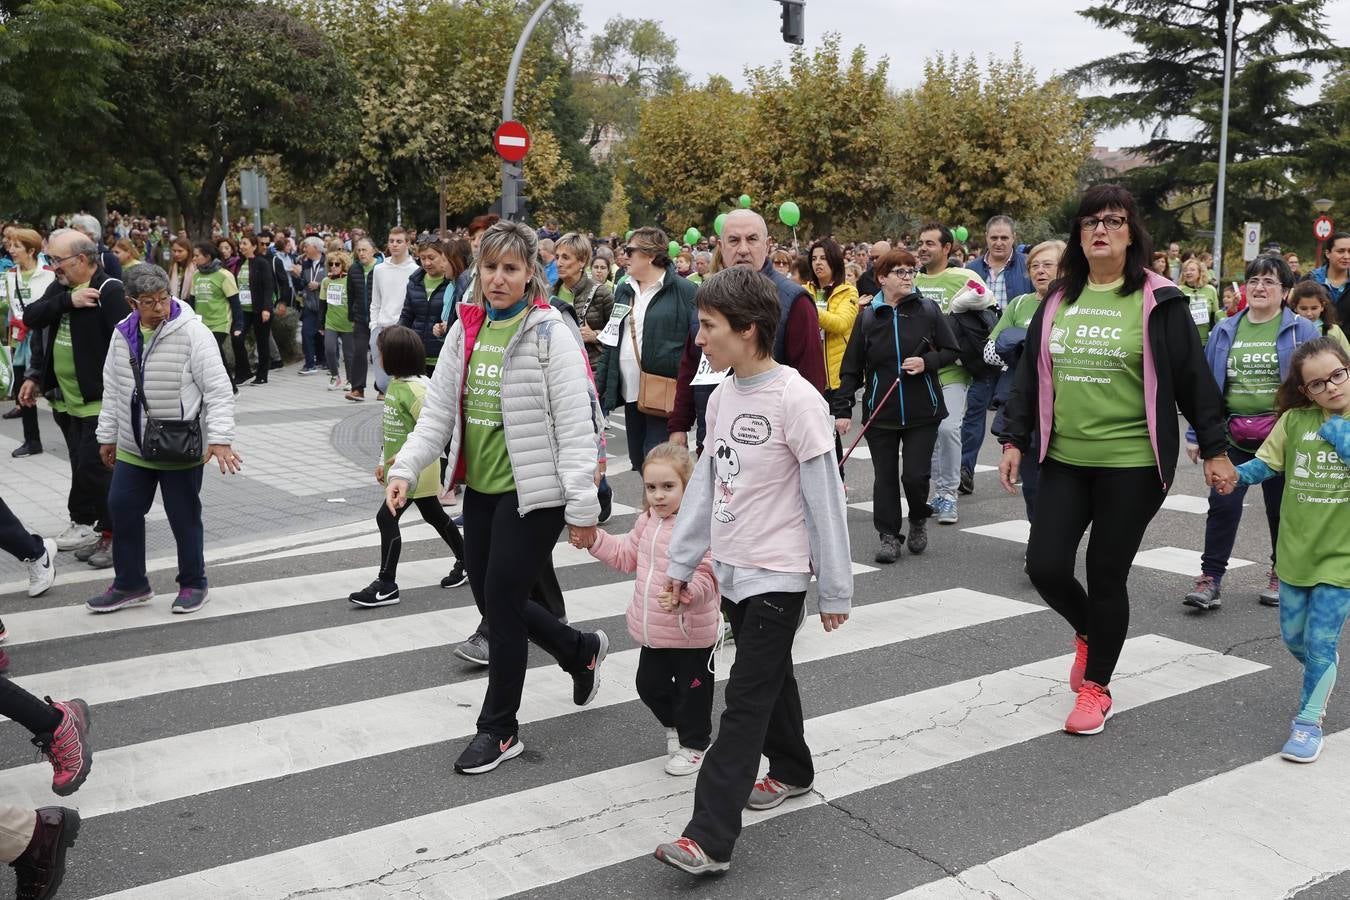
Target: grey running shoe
189, 600
102, 557
1205, 594
1271, 595
113, 599
888, 551
474, 649
770, 792
688, 856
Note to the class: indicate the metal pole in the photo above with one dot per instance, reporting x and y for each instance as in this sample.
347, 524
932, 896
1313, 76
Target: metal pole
224, 211
1223, 144
445, 233
510, 206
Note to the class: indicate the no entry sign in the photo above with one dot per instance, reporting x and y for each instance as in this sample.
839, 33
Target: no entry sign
1322, 228
511, 141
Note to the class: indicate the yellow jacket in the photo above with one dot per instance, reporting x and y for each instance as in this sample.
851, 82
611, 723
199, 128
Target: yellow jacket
836, 324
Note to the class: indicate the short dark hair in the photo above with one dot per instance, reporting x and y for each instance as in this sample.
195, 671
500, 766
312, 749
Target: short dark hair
1338, 236
892, 259
944, 233
1265, 264
834, 257
207, 249
1073, 266
402, 353
744, 298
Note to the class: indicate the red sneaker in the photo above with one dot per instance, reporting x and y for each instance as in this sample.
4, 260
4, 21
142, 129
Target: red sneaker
1090, 711
67, 748
1079, 664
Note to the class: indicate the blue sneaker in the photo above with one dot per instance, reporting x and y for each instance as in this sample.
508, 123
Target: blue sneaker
945, 510
1304, 744
114, 599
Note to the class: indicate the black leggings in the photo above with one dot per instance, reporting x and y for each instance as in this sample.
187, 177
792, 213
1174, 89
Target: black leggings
1118, 504
391, 538
262, 339
27, 710
241, 367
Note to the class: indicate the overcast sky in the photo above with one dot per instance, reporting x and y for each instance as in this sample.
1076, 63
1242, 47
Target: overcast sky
724, 36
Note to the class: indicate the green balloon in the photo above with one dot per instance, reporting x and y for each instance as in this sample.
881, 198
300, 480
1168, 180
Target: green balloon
691, 236
790, 214
673, 249
745, 201
960, 232
719, 222
629, 235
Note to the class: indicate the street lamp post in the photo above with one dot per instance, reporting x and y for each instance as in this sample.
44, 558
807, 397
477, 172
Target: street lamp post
1223, 142
511, 172
1322, 204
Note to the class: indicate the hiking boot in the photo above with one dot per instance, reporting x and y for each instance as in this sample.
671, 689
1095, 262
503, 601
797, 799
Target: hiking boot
586, 682
1304, 744
684, 761
377, 593
967, 485
473, 649
67, 748
189, 600
102, 557
1090, 710
41, 867
770, 792
1271, 595
42, 569
456, 577
945, 510
687, 856
1079, 667
114, 599
888, 550
486, 752
1205, 594
917, 542
75, 537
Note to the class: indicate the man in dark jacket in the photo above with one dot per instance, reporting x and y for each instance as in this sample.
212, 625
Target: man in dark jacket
78, 312
308, 274
89, 226
868, 286
360, 283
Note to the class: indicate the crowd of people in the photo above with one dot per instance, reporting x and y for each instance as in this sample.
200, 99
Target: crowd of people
742, 367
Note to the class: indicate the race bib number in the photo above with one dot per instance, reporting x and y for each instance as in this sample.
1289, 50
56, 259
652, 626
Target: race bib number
705, 373
245, 298
336, 296
1199, 311
614, 327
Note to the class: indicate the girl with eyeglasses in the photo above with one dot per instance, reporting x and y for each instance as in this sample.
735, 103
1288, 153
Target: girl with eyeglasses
1310, 447
1112, 355
1248, 354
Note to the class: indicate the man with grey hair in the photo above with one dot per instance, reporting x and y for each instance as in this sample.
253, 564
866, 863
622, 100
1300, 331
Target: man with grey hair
78, 312
867, 281
307, 275
90, 228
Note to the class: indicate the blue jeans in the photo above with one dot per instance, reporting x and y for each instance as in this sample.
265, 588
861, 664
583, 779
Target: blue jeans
129, 499
974, 425
1221, 525
309, 333
644, 432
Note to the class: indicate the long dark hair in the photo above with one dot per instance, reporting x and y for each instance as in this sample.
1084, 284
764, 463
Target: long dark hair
1313, 290
1290, 395
1073, 266
834, 257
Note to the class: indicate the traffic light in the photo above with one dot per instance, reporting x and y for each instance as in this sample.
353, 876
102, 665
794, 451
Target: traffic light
794, 21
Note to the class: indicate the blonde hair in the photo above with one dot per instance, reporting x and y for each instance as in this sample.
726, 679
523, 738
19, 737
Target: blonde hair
507, 238
677, 456
341, 256
1055, 247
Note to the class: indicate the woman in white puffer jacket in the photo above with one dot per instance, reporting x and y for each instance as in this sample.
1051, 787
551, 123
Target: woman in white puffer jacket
184, 379
512, 400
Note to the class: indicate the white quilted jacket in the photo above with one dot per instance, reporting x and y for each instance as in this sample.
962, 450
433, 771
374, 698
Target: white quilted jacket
184, 378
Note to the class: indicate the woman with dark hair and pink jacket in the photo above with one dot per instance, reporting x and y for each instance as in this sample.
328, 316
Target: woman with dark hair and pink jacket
678, 634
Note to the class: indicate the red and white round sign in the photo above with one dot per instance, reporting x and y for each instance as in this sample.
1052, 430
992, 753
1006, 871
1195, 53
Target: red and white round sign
1322, 228
511, 141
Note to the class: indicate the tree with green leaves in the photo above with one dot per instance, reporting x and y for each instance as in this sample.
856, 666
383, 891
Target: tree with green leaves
628, 61
1172, 85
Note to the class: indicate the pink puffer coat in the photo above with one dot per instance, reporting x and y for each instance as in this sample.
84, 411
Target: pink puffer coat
644, 552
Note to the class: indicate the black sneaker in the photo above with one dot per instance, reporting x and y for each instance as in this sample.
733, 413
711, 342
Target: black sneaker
379, 593
486, 752
888, 550
967, 485
456, 577
586, 682
606, 504
917, 542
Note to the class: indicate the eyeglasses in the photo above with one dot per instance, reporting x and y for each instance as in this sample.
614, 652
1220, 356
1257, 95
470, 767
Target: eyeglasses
1272, 283
1112, 223
56, 261
904, 271
151, 302
335, 265
630, 250
1318, 385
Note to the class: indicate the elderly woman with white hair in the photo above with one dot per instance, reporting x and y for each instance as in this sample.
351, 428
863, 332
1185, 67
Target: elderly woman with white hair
167, 408
90, 228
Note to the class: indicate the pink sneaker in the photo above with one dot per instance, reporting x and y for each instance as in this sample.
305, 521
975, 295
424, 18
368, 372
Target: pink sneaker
67, 748
1079, 664
1090, 711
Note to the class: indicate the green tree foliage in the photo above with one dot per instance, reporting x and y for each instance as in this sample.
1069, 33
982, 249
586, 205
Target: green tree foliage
978, 147
627, 61
1326, 173
1172, 84
205, 86
614, 219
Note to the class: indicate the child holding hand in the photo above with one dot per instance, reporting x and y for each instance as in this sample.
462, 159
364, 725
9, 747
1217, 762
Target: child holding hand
1310, 446
677, 632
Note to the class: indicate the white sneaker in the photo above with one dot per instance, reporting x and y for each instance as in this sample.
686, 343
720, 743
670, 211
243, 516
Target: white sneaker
684, 761
672, 741
75, 537
334, 384
42, 569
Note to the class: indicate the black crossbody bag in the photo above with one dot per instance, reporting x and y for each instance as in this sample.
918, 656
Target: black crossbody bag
166, 440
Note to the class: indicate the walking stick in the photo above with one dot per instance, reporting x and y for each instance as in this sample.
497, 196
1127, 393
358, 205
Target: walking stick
868, 424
